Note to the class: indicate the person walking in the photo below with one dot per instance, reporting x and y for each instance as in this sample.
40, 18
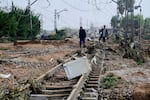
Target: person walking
104, 34
82, 36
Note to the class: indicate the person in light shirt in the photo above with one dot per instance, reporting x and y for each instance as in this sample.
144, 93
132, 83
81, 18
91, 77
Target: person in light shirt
103, 34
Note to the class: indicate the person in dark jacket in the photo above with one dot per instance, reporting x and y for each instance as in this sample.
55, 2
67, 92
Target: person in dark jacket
82, 36
104, 34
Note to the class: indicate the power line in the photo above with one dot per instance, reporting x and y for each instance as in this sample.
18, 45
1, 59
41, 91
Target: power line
97, 4
75, 7
93, 3
69, 19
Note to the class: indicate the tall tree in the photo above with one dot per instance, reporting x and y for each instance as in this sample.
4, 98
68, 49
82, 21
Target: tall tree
16, 23
114, 21
147, 25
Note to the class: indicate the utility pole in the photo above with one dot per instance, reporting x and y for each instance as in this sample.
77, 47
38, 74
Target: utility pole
132, 24
80, 21
55, 23
30, 14
140, 27
136, 7
126, 19
87, 24
55, 18
118, 15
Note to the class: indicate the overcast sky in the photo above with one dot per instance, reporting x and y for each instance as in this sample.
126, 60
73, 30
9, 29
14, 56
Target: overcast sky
86, 11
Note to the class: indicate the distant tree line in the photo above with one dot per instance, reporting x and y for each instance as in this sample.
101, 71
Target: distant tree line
126, 21
138, 20
15, 24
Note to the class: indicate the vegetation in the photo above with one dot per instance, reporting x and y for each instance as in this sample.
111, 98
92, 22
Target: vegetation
138, 20
114, 21
147, 25
110, 81
61, 34
125, 3
16, 24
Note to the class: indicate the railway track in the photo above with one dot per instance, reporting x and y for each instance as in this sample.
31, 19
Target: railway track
55, 85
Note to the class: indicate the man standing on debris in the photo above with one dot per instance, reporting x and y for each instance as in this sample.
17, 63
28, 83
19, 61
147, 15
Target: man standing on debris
104, 34
82, 36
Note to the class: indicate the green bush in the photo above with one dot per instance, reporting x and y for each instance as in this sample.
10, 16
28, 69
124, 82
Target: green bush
108, 82
60, 35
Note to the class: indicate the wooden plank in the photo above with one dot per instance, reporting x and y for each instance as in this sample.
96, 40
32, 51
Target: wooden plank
92, 85
52, 91
89, 98
94, 76
53, 70
92, 82
57, 87
94, 79
45, 95
48, 73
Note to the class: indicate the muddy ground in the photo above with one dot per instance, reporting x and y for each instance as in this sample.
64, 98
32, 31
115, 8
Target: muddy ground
27, 61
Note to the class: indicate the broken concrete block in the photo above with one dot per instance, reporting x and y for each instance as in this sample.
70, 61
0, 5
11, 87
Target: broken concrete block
77, 67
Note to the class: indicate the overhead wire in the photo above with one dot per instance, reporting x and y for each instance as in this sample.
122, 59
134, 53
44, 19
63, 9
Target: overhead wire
98, 5
93, 3
47, 6
70, 20
36, 1
82, 10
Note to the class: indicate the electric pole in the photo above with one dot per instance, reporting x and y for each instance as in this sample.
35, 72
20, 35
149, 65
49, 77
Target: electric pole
80, 21
118, 15
132, 24
30, 14
126, 19
55, 23
140, 27
56, 13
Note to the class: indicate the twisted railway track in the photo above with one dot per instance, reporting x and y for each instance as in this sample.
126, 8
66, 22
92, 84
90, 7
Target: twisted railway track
56, 86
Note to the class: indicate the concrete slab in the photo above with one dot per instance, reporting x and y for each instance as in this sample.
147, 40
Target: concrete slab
77, 67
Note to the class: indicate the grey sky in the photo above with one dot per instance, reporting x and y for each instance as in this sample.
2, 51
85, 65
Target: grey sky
88, 12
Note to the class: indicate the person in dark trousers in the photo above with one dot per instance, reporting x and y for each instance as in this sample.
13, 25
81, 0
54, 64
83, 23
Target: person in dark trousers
104, 33
42, 37
82, 36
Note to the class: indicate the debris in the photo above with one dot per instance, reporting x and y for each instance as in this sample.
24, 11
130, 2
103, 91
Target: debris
77, 67
5, 75
94, 61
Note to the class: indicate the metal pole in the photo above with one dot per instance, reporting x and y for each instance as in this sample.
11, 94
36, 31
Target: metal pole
29, 5
55, 18
126, 22
132, 17
140, 27
55, 22
118, 15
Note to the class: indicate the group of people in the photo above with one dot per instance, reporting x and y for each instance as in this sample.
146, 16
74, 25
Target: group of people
82, 35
